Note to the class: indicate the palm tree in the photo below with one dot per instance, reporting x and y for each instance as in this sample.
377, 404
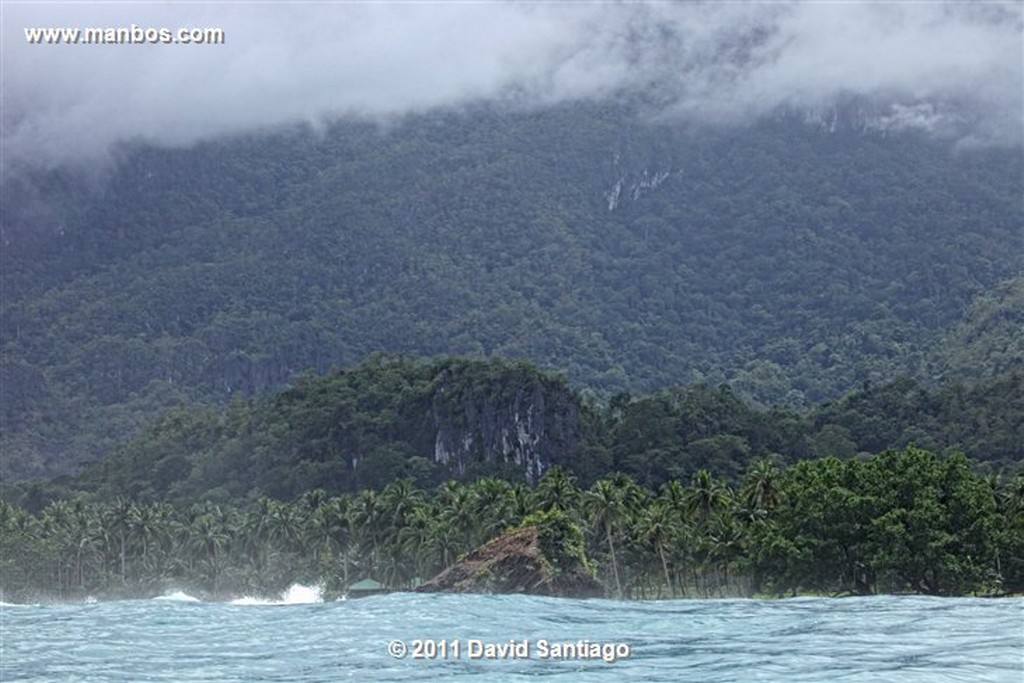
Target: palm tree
56, 527
415, 539
364, 517
657, 530
442, 541
493, 506
706, 496
119, 523
257, 532
286, 527
557, 490
726, 543
760, 493
206, 541
520, 502
327, 528
399, 502
86, 536
606, 512
673, 495
455, 511
146, 528
675, 501
311, 500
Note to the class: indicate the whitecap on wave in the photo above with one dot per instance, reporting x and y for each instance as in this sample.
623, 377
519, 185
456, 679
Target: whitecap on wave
177, 596
297, 594
249, 600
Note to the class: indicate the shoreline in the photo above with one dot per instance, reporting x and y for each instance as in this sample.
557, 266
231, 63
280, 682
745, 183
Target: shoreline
280, 600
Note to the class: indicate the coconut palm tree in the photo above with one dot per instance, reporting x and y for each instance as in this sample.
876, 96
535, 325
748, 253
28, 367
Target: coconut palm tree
56, 528
557, 489
657, 530
706, 496
398, 504
455, 510
760, 492
146, 528
415, 541
725, 543
207, 539
493, 505
118, 524
287, 527
606, 512
86, 538
257, 533
364, 516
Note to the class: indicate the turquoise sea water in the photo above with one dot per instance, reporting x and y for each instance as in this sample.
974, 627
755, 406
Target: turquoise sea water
851, 639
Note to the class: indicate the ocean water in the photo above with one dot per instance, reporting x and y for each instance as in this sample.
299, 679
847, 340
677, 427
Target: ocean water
409, 637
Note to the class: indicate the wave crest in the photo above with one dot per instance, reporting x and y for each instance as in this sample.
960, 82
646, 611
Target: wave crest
297, 594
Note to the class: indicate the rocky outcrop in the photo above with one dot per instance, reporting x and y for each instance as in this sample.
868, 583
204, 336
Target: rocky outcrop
515, 563
515, 416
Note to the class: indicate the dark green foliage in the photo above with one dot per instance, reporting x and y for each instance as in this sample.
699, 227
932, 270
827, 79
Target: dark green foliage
985, 421
989, 341
788, 262
1010, 501
901, 521
673, 434
386, 419
561, 539
427, 421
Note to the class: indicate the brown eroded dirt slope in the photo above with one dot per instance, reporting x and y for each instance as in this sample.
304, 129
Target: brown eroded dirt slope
513, 563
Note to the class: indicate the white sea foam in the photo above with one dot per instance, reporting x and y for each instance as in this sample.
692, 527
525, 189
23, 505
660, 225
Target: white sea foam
178, 596
249, 600
297, 594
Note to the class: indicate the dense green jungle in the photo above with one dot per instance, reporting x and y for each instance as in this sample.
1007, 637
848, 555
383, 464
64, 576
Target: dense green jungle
396, 468
777, 358
794, 260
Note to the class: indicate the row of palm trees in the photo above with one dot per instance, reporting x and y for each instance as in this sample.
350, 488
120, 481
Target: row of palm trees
682, 540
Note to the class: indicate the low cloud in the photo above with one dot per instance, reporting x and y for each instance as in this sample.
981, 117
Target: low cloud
955, 70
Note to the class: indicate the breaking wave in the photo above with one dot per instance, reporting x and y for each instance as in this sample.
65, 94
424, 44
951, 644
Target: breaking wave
297, 594
178, 596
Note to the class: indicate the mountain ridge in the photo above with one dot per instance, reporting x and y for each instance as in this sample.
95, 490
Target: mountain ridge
789, 261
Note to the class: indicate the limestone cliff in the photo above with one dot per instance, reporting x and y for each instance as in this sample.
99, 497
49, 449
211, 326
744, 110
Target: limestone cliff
520, 418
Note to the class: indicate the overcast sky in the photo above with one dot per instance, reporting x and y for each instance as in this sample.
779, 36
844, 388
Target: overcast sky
312, 62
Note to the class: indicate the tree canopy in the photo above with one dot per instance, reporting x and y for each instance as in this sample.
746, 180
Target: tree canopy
790, 261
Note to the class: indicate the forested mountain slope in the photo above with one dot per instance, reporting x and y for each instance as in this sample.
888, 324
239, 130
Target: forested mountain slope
794, 259
395, 418
989, 340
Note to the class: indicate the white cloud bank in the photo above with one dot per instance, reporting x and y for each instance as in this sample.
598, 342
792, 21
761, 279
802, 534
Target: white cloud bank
312, 62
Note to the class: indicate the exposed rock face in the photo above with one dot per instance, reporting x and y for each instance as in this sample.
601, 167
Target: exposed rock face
514, 563
518, 417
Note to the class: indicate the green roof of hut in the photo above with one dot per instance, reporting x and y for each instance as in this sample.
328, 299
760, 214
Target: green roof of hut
366, 585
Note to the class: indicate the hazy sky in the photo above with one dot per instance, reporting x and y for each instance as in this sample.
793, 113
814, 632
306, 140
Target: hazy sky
314, 61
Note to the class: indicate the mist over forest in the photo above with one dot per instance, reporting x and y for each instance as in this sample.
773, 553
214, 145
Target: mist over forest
402, 247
